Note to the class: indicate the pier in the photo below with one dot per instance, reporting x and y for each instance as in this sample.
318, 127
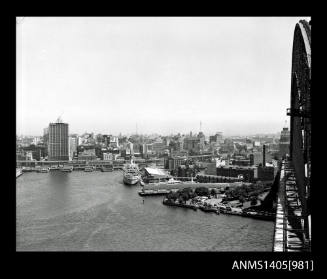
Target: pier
18, 173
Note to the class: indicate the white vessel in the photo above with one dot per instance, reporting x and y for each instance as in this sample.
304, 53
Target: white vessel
18, 172
131, 174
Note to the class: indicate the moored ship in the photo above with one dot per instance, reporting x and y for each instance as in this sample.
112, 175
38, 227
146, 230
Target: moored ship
131, 174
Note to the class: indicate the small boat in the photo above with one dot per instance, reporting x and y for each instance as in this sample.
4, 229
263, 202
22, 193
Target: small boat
66, 169
54, 168
107, 168
89, 168
43, 170
27, 169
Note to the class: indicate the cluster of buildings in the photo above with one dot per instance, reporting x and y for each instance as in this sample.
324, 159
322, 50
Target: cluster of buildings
248, 158
241, 158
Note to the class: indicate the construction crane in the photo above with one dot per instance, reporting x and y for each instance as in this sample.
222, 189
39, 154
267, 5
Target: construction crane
59, 120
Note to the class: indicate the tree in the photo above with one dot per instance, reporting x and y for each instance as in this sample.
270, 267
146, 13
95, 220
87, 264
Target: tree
213, 192
172, 196
241, 199
185, 197
202, 191
253, 202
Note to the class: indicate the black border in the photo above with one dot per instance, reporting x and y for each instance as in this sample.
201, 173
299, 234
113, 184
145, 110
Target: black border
141, 261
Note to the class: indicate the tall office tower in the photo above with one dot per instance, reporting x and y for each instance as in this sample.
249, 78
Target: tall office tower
72, 147
284, 142
58, 146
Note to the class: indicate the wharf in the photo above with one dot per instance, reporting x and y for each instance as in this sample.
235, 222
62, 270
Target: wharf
250, 214
193, 185
18, 173
153, 192
166, 202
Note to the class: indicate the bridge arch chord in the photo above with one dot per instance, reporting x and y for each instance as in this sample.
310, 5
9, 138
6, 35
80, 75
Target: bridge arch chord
300, 111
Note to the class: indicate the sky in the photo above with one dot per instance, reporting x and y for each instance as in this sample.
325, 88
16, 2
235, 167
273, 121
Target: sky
163, 75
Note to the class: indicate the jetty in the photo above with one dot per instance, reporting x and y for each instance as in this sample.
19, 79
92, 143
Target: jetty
170, 203
18, 173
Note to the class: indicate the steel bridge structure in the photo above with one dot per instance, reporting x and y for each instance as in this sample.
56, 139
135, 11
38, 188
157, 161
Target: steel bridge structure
293, 216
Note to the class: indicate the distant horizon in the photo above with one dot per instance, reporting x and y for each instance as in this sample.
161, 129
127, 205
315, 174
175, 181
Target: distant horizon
154, 133
166, 74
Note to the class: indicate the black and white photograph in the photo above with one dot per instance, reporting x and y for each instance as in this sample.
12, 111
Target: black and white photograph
163, 134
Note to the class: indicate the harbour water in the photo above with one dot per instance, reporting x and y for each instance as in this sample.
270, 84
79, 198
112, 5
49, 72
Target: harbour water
95, 211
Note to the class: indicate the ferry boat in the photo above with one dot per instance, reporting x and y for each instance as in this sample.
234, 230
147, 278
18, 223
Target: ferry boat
107, 168
43, 170
131, 174
54, 168
89, 168
66, 168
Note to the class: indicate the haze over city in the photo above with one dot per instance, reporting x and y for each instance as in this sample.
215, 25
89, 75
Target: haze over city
163, 75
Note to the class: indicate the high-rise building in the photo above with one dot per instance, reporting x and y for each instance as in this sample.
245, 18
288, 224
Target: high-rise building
58, 145
217, 138
284, 142
46, 137
72, 147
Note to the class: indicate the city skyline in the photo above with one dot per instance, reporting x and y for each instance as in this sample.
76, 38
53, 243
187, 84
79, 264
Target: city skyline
165, 75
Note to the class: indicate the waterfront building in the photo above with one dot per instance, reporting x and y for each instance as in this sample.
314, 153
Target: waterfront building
72, 147
29, 156
46, 138
154, 175
171, 163
58, 147
247, 172
87, 154
107, 156
20, 155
